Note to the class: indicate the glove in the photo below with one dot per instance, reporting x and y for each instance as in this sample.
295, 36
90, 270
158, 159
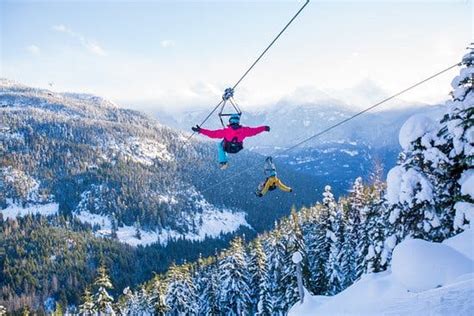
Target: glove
196, 129
267, 128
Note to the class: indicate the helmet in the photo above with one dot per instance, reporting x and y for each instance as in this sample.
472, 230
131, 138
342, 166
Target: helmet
234, 119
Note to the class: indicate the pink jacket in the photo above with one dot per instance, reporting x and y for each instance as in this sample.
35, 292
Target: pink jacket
229, 133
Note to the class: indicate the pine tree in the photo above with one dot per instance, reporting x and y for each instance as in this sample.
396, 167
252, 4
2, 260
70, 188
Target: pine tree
259, 279
375, 227
102, 300
208, 289
293, 241
275, 249
58, 311
349, 250
357, 235
318, 251
457, 143
181, 297
87, 307
125, 302
158, 296
234, 280
326, 237
425, 189
138, 233
114, 227
310, 236
334, 272
143, 305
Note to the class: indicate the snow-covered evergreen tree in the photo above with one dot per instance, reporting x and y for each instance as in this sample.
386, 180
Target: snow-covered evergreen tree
87, 307
410, 190
275, 249
318, 242
207, 283
375, 226
425, 190
259, 289
457, 139
142, 302
234, 295
308, 228
357, 236
332, 242
352, 247
334, 266
158, 296
3, 310
293, 241
181, 297
126, 302
103, 302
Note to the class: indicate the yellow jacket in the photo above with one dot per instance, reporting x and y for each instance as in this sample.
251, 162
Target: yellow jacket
272, 183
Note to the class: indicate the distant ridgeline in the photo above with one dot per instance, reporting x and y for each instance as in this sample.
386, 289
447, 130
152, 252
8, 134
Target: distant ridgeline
88, 168
428, 195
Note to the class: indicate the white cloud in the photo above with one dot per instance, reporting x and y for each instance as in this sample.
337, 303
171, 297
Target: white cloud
61, 28
33, 49
90, 45
167, 43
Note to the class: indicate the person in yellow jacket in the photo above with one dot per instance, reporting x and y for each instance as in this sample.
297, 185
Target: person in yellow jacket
272, 181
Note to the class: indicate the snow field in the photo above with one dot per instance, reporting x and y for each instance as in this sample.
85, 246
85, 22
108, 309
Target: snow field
13, 211
214, 222
422, 265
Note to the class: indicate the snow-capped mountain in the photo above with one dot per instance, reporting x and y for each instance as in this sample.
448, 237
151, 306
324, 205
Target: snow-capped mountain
122, 171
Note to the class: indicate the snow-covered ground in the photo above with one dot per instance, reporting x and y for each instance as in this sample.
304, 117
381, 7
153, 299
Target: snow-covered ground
12, 211
442, 274
141, 150
212, 224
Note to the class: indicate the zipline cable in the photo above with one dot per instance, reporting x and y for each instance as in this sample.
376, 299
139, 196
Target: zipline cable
253, 64
276, 153
270, 45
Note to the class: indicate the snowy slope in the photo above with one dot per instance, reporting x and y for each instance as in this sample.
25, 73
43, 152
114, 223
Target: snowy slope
210, 223
13, 210
384, 293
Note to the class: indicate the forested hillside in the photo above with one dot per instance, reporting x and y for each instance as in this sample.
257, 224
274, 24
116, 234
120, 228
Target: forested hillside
88, 169
88, 155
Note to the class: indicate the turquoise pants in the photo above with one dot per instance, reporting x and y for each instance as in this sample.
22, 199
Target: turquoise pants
221, 154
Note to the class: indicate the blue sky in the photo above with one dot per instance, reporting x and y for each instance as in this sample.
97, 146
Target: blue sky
177, 54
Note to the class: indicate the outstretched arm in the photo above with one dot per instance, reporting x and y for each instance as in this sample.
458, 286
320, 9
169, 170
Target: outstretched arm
218, 133
282, 187
252, 131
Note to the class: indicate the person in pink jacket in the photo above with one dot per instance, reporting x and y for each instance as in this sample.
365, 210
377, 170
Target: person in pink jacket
232, 137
